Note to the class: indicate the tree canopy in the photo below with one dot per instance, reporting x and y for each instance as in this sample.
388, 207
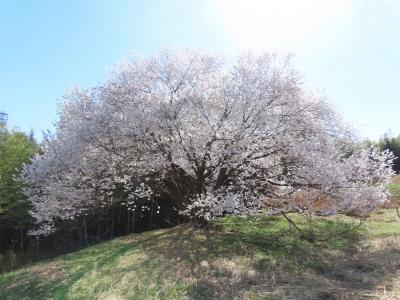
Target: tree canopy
210, 137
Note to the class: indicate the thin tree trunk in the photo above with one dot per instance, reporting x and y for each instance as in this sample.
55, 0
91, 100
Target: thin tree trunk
37, 245
79, 234
292, 223
98, 231
133, 221
151, 213
21, 232
112, 223
85, 231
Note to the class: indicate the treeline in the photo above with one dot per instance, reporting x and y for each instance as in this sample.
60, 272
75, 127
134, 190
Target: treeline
17, 247
392, 144
16, 149
182, 136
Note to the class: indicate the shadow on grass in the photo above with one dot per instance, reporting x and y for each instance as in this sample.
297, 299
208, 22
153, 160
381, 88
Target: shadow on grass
238, 259
265, 256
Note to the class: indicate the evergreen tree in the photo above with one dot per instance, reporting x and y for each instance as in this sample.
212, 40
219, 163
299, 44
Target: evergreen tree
16, 149
392, 144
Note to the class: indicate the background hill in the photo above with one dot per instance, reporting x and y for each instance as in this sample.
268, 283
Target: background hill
253, 258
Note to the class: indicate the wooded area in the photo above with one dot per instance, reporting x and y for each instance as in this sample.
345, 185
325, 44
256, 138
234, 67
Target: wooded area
177, 138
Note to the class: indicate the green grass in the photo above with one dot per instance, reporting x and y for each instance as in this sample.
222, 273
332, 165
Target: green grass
254, 258
394, 189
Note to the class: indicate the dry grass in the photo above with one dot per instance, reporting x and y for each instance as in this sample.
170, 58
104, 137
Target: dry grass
394, 189
256, 258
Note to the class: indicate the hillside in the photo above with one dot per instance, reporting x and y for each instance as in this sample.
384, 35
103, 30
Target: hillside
254, 258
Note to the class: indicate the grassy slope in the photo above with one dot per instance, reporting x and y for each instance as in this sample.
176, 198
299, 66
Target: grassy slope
241, 259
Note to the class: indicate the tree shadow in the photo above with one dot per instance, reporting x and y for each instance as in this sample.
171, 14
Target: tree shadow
239, 259
260, 260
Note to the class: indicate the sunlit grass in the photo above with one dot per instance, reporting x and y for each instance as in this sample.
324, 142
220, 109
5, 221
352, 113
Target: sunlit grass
259, 257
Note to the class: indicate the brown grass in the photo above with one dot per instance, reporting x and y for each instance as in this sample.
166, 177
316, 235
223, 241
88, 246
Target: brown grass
248, 259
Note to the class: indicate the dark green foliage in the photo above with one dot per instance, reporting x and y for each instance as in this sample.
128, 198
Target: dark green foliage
392, 144
16, 149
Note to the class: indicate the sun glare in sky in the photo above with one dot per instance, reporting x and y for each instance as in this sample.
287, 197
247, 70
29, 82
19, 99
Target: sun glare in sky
285, 25
347, 48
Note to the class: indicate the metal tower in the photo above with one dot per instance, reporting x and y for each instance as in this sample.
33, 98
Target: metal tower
3, 120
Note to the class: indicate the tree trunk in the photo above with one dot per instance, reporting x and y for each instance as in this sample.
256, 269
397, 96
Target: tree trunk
98, 231
85, 231
133, 221
21, 232
151, 213
112, 223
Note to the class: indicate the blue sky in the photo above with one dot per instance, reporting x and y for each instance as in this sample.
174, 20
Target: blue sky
350, 49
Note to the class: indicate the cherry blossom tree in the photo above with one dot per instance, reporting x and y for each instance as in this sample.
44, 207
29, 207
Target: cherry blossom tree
213, 138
